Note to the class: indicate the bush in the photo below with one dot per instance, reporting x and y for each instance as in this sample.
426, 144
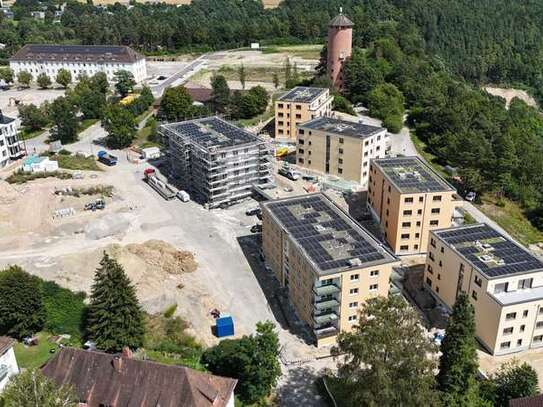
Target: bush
170, 311
20, 177
64, 308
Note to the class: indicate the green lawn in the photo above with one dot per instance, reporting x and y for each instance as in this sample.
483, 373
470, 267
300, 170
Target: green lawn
305, 51
257, 74
76, 162
86, 123
29, 357
26, 134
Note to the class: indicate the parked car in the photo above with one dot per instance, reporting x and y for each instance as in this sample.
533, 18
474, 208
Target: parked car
256, 228
470, 196
183, 196
253, 211
290, 174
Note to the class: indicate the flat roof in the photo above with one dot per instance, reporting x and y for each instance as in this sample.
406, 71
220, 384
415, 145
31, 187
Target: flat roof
303, 94
342, 127
77, 53
212, 132
332, 240
411, 175
490, 252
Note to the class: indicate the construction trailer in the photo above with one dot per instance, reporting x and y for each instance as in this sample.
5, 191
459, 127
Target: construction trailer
217, 162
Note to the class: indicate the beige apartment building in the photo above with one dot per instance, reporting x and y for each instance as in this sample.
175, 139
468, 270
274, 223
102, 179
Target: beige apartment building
409, 199
340, 147
328, 262
299, 105
502, 279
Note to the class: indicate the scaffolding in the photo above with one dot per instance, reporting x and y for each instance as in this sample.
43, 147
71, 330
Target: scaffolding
216, 161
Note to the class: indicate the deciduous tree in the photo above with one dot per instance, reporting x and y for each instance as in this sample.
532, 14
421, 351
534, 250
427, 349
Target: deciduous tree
385, 360
221, 92
242, 76
120, 125
22, 311
124, 82
63, 114
7, 75
64, 77
43, 80
31, 389
32, 117
24, 78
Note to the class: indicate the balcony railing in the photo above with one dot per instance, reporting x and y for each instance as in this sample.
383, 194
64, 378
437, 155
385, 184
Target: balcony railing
331, 303
326, 289
325, 317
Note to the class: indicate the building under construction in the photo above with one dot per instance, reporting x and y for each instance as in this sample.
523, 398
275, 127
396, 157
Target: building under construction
216, 161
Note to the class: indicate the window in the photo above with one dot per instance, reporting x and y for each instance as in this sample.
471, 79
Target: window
374, 273
429, 268
298, 107
505, 345
525, 283
300, 151
301, 160
352, 318
405, 236
436, 198
432, 242
417, 235
301, 140
538, 338
435, 210
438, 276
508, 331
340, 170
525, 313
353, 304
437, 289
474, 295
408, 212
353, 291
374, 287
421, 199
340, 161
418, 223
340, 151
416, 247
408, 200
501, 288
404, 247
478, 281
341, 140
519, 342
428, 282
434, 222
510, 316
431, 256
298, 116
355, 277
419, 212
406, 224
539, 324
522, 328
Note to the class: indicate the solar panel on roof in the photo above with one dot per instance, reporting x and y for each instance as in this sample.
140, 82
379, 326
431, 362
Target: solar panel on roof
323, 233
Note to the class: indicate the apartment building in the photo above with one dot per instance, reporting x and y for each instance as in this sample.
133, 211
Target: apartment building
78, 60
503, 280
299, 105
217, 162
11, 148
340, 147
409, 199
327, 261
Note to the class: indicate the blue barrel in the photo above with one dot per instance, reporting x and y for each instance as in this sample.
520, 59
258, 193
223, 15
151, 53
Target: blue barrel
224, 327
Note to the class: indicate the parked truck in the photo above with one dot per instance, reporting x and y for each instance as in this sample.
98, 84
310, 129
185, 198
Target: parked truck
151, 177
106, 158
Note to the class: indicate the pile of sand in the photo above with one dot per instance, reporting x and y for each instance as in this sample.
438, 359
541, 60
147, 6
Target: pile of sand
157, 254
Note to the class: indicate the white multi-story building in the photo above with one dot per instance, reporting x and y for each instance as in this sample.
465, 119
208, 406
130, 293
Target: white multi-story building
79, 60
8, 363
11, 147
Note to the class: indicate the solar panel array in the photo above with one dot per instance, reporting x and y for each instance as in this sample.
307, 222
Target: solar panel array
77, 53
302, 94
330, 240
514, 258
78, 49
212, 132
342, 127
412, 175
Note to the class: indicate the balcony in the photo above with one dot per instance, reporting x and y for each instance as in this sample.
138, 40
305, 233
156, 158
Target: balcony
329, 303
325, 331
326, 289
325, 317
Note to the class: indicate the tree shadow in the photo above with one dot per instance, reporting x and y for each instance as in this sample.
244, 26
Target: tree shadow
300, 388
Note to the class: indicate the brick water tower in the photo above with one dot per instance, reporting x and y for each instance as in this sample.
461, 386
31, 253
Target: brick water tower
340, 42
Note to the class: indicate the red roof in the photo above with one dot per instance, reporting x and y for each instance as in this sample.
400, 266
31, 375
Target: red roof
535, 401
103, 379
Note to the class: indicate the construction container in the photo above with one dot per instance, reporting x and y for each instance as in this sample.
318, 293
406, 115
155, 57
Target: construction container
224, 327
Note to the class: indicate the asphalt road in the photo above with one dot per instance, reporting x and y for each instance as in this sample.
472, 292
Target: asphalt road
183, 74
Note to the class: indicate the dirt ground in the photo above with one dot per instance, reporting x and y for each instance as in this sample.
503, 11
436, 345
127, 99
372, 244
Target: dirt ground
509, 94
25, 96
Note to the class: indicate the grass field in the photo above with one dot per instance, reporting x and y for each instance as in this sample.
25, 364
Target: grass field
257, 74
29, 357
26, 134
86, 123
305, 51
76, 162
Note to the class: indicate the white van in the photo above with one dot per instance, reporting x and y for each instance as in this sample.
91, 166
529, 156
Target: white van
183, 196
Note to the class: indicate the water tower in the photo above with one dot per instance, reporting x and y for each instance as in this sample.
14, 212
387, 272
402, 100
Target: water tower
340, 42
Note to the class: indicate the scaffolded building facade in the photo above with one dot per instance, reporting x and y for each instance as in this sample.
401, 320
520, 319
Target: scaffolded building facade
217, 162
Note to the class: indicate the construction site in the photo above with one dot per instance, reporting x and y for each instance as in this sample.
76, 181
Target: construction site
216, 161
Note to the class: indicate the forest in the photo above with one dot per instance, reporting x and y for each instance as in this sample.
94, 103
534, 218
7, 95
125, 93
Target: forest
429, 55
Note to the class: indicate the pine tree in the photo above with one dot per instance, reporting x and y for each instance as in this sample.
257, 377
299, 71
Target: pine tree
457, 377
115, 318
242, 76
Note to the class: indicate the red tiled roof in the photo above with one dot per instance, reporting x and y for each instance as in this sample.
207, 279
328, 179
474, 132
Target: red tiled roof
105, 379
535, 401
